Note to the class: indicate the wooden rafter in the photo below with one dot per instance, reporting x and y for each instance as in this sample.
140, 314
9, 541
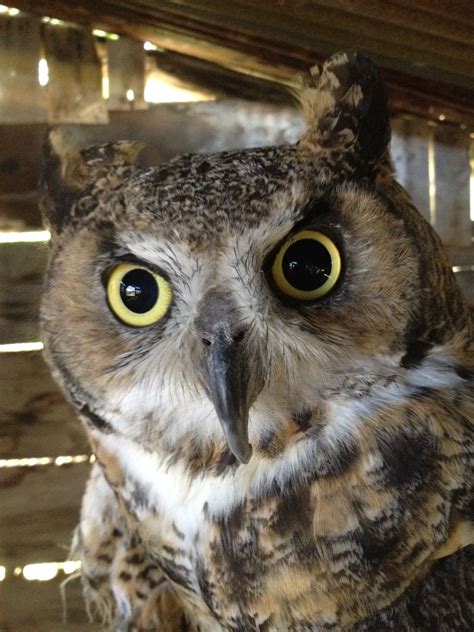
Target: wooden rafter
425, 48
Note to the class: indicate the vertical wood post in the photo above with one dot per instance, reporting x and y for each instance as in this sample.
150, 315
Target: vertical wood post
75, 76
21, 96
452, 174
126, 64
410, 155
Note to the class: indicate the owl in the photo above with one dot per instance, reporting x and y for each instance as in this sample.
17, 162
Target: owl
273, 364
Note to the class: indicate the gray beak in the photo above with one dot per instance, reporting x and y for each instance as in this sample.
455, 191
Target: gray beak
227, 376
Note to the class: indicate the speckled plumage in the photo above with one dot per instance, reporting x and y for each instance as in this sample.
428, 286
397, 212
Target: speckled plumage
355, 510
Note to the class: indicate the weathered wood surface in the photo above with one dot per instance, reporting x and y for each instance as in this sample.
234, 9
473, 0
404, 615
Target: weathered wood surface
19, 211
452, 188
39, 509
466, 282
432, 162
424, 49
461, 256
22, 267
37, 606
20, 157
34, 606
35, 420
21, 96
410, 155
74, 91
126, 68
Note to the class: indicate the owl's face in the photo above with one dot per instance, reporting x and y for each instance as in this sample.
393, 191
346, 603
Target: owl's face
221, 299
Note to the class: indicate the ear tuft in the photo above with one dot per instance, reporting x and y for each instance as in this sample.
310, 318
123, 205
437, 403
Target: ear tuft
347, 108
70, 173
62, 146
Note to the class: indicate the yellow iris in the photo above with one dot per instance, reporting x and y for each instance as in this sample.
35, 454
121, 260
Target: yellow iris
137, 296
307, 266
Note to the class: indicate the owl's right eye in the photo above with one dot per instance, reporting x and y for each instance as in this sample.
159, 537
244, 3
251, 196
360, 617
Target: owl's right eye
137, 296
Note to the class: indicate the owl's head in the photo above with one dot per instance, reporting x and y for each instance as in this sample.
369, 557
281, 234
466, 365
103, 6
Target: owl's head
227, 299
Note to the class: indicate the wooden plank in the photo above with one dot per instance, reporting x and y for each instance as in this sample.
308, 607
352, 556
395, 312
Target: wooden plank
462, 11
20, 157
465, 278
75, 76
299, 23
461, 256
21, 96
39, 509
22, 267
35, 420
126, 67
35, 606
273, 39
410, 153
223, 82
20, 211
452, 174
410, 15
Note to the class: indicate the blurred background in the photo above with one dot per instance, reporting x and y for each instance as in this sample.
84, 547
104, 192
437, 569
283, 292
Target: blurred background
183, 77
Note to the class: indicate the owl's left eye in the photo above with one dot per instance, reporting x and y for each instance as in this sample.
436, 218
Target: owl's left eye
307, 266
137, 296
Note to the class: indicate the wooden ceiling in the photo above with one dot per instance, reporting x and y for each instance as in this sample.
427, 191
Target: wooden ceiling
425, 47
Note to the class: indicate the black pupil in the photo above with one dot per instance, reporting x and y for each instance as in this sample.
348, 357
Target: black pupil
139, 291
307, 265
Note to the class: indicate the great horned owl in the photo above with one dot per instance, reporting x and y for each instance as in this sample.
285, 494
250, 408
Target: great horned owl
272, 360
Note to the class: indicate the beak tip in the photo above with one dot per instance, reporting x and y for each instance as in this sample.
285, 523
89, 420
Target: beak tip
244, 455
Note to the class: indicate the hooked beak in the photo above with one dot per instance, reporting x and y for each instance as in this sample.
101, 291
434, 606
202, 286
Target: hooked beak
227, 375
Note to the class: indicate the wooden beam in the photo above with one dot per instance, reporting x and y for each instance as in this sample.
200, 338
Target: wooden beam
428, 68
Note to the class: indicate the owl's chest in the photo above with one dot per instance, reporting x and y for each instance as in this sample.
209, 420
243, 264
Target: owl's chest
227, 549
253, 546
250, 564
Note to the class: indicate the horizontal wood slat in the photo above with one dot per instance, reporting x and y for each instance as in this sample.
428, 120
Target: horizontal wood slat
40, 508
306, 23
34, 606
20, 157
35, 420
20, 211
39, 511
411, 16
462, 11
22, 267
